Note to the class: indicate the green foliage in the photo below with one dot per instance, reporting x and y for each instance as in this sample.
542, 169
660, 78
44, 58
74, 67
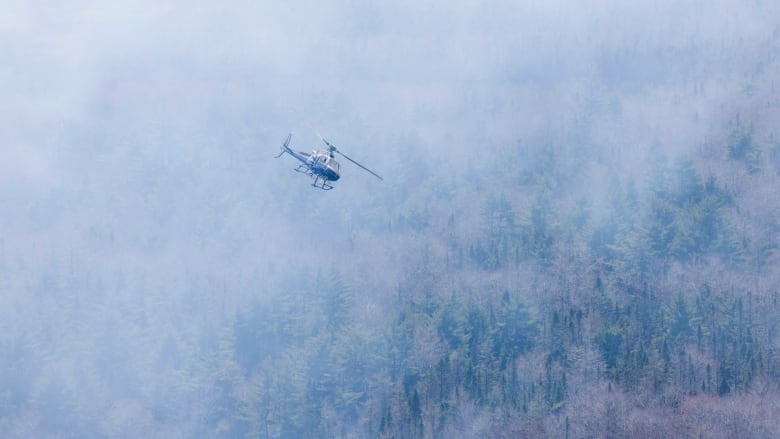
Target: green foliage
679, 320
684, 215
743, 148
500, 235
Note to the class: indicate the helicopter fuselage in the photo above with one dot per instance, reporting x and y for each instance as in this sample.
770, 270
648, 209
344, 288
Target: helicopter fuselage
324, 166
320, 164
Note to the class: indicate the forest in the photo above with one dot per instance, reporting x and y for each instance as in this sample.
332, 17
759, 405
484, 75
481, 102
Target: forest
578, 235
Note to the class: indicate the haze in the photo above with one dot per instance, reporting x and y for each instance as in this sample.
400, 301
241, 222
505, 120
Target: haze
607, 165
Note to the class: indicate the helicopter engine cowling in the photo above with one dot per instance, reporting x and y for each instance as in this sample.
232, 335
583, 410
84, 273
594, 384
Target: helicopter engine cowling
325, 167
332, 170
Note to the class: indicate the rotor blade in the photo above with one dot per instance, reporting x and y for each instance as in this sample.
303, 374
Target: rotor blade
345, 156
332, 148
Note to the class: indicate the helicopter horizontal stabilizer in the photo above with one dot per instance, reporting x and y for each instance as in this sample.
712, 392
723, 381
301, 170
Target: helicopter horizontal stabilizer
301, 156
286, 146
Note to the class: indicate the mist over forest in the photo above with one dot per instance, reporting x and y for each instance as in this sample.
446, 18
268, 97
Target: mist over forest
577, 234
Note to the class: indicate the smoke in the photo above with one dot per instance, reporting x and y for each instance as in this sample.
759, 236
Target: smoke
141, 204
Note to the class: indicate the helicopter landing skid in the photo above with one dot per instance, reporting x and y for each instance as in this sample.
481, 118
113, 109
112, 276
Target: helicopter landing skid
323, 184
319, 182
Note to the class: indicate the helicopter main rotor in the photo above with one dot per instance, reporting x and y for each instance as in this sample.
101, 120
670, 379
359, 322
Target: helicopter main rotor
332, 148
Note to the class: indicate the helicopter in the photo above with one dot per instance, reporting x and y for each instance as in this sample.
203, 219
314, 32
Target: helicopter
320, 164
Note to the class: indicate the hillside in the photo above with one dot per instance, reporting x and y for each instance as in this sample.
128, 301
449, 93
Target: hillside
577, 235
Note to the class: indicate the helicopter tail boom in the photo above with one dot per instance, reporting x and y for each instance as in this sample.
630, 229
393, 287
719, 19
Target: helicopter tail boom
286, 149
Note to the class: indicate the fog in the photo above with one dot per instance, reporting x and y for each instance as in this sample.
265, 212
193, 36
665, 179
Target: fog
144, 220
